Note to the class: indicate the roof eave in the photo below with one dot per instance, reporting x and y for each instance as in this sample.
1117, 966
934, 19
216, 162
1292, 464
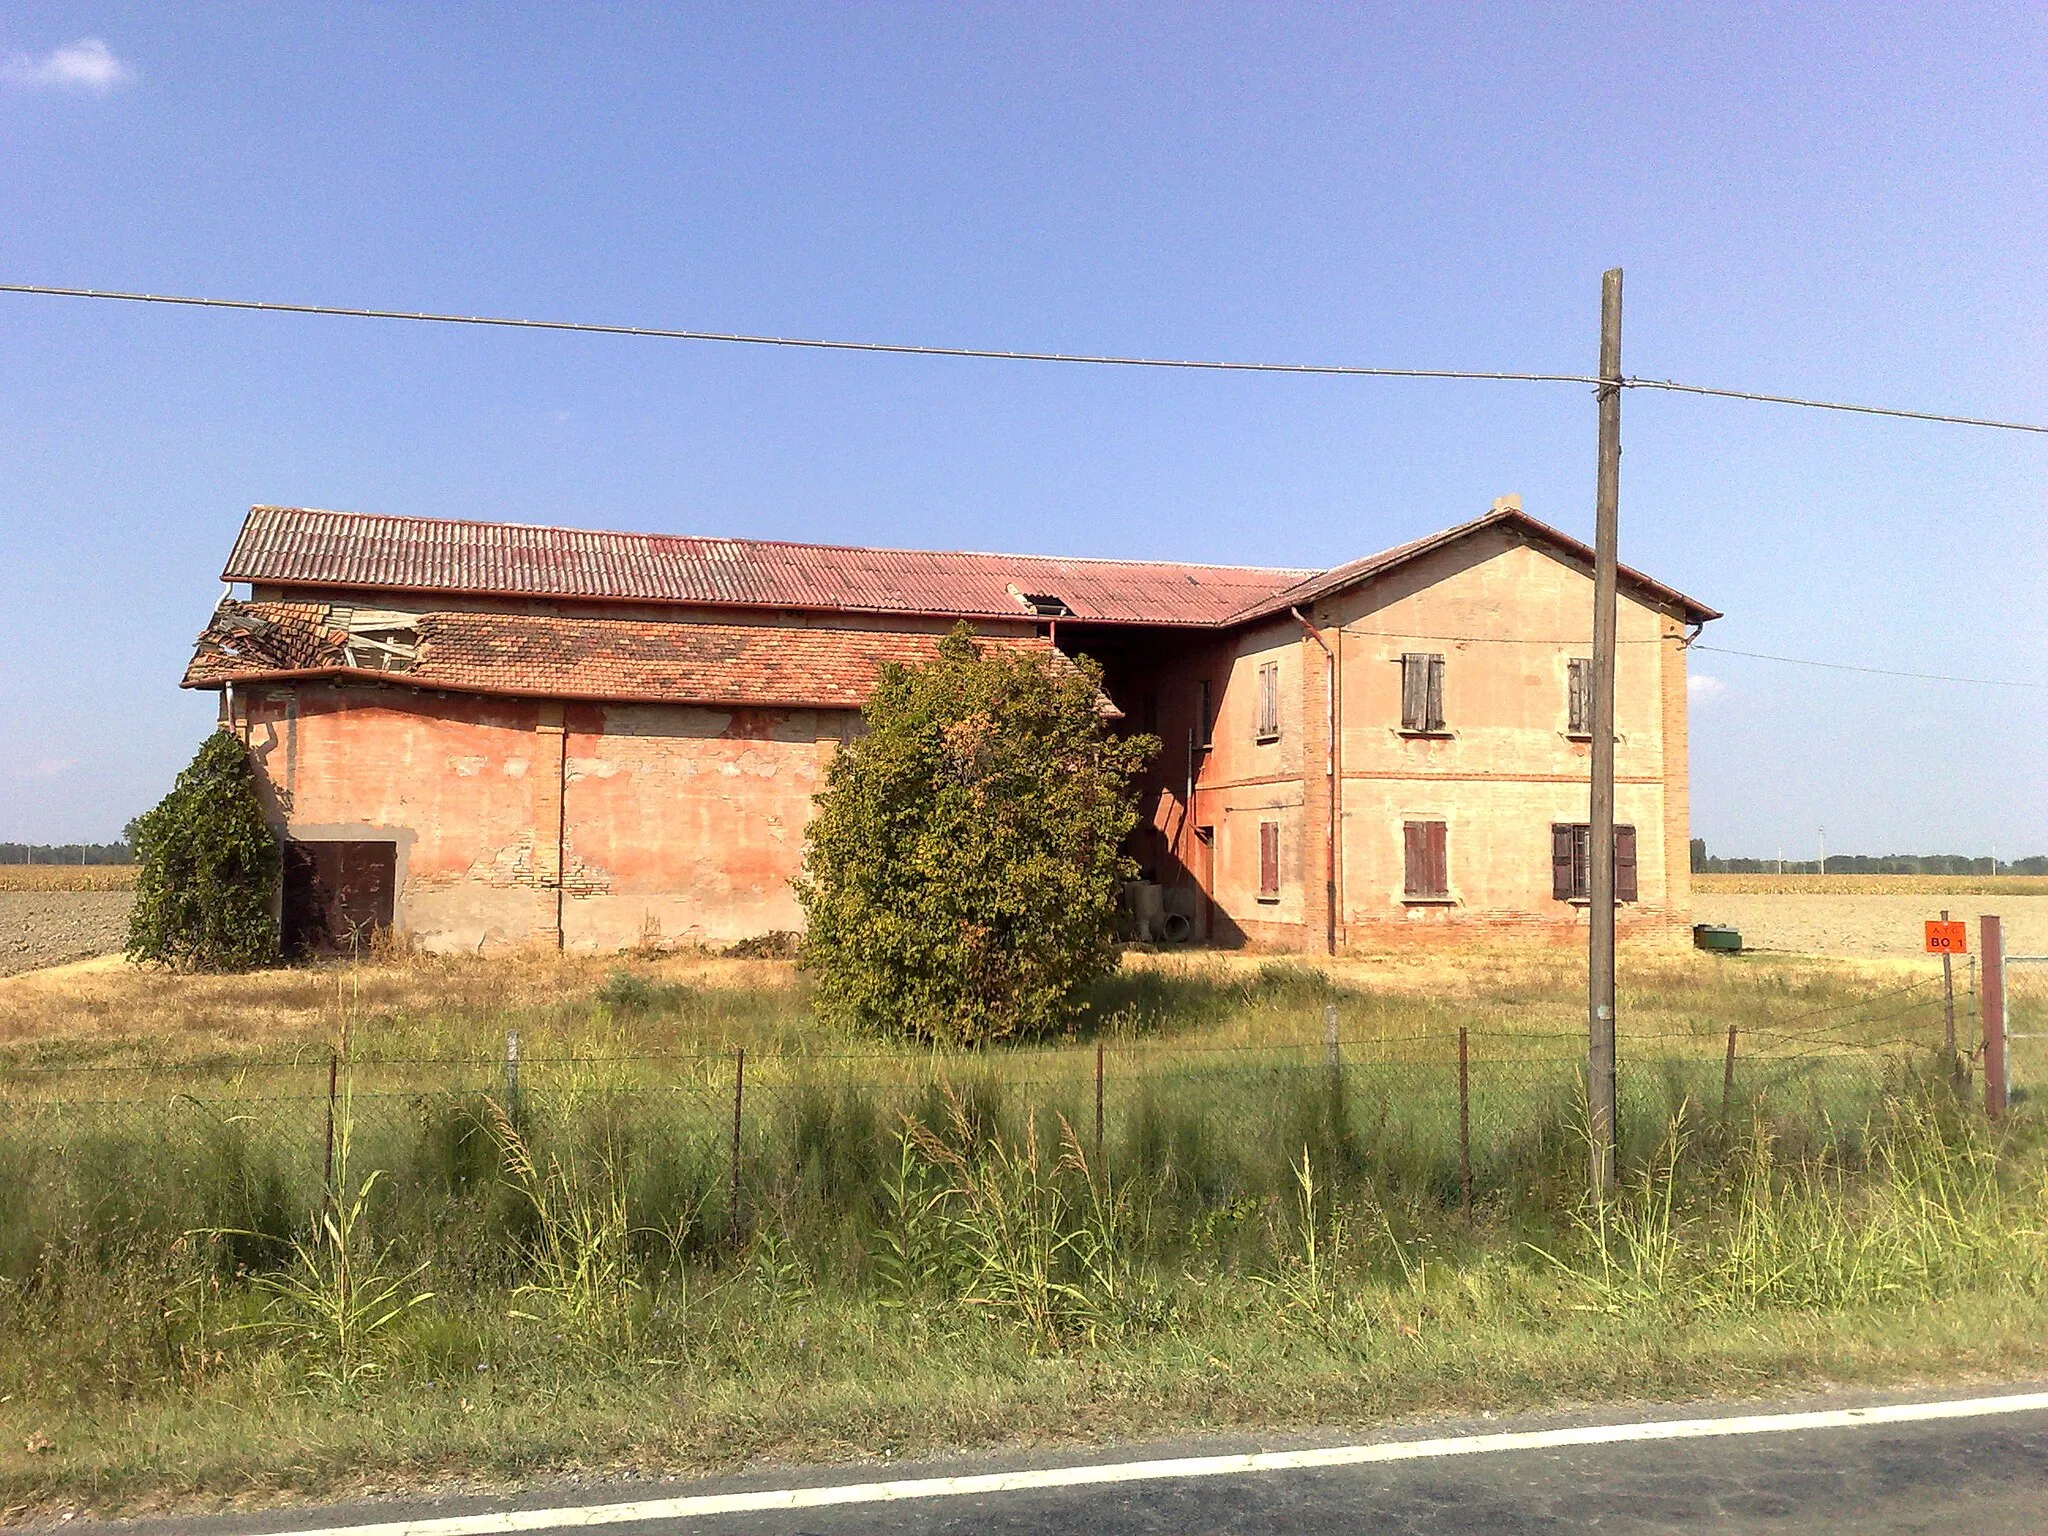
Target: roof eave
1669, 599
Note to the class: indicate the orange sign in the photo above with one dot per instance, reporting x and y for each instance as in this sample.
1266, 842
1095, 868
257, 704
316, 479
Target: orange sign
1947, 938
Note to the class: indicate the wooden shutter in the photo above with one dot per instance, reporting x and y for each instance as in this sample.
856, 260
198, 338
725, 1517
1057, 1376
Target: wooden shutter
1561, 848
1579, 697
1269, 860
1427, 868
1422, 692
1269, 701
1204, 724
1414, 692
1624, 863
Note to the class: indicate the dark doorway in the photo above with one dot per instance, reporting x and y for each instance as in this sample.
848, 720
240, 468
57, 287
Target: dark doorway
337, 895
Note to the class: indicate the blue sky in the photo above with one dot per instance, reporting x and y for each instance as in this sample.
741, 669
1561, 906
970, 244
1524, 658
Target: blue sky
1844, 202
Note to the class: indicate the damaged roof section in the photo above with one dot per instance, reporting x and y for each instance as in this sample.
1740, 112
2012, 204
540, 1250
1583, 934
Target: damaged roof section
540, 656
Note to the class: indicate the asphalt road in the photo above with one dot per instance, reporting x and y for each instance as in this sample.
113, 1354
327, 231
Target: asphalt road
1985, 1475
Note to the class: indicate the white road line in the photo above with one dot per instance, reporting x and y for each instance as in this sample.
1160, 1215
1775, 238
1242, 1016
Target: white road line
575, 1518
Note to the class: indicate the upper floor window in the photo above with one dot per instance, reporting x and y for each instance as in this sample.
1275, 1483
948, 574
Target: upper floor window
1269, 861
1205, 721
1269, 701
1578, 694
1422, 692
1571, 861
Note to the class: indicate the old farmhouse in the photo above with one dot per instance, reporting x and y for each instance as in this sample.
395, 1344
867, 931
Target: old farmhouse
490, 734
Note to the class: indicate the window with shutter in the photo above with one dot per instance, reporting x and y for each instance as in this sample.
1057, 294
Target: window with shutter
1579, 697
1269, 861
1269, 701
1205, 723
1563, 861
1571, 861
1422, 692
1425, 847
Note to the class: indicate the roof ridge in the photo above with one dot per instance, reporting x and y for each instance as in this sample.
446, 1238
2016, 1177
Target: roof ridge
1301, 572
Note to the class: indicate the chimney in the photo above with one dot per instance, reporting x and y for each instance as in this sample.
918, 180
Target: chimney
1512, 503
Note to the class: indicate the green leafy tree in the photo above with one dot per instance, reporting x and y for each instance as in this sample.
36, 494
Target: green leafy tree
963, 869
209, 868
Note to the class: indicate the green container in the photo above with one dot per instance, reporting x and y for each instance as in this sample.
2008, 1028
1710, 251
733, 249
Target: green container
1725, 941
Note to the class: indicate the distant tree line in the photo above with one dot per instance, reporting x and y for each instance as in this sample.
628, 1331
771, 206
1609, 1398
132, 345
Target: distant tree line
1868, 864
66, 853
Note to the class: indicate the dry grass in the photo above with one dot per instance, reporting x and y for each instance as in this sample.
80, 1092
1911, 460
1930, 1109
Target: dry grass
1871, 885
110, 1011
67, 877
1518, 998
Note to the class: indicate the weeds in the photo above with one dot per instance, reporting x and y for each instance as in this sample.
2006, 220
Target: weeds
336, 1300
578, 1258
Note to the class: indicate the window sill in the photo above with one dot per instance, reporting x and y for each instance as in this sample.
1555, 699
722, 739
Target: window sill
1578, 735
1587, 901
1266, 741
1436, 735
1429, 901
1269, 901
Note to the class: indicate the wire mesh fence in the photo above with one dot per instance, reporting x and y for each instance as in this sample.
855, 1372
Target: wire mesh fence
711, 1143
2026, 1040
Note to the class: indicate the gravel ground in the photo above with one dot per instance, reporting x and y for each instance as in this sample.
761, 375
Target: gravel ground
49, 927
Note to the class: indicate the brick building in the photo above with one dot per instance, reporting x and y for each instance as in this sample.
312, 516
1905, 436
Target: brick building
498, 734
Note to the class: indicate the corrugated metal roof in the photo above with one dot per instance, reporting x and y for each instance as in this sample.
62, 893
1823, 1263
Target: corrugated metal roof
295, 546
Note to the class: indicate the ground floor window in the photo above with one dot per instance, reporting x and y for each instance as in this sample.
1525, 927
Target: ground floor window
1269, 861
1428, 868
1571, 861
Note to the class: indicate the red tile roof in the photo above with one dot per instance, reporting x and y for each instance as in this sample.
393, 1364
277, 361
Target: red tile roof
292, 546
530, 655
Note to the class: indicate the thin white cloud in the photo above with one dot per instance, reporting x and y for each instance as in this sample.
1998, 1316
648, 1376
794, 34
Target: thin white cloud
86, 65
1702, 686
50, 767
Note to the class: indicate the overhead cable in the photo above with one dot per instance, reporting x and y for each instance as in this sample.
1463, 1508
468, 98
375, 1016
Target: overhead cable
1843, 666
907, 349
1011, 355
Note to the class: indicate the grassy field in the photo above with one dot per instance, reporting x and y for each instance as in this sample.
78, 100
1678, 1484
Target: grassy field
923, 1250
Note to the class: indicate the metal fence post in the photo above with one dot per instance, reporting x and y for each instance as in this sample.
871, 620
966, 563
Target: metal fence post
1464, 1121
1948, 1000
1991, 1005
739, 1090
1728, 1075
1098, 1107
333, 1080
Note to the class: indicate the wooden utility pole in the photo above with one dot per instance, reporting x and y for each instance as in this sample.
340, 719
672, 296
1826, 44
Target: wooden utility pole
1600, 837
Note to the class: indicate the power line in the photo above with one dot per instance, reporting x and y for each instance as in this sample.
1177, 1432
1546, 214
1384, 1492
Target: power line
1002, 354
907, 349
1842, 666
1831, 405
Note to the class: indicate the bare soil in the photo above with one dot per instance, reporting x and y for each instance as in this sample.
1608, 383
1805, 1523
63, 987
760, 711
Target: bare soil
1867, 924
39, 928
